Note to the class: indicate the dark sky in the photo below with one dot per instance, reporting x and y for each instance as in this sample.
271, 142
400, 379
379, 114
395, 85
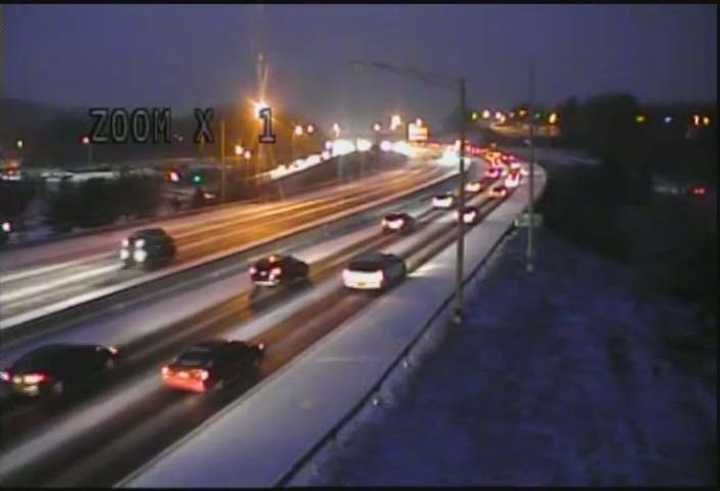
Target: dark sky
186, 56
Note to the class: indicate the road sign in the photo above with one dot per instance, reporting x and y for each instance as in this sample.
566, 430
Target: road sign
417, 132
524, 220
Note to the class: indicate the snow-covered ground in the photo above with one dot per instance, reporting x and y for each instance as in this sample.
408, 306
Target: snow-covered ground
555, 379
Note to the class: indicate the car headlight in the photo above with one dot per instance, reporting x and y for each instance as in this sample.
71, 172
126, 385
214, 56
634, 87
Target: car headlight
124, 254
125, 243
140, 255
140, 243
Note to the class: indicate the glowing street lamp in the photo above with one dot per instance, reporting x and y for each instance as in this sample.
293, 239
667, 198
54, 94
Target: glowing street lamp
258, 106
395, 122
19, 144
474, 116
640, 119
486, 114
86, 141
706, 120
553, 118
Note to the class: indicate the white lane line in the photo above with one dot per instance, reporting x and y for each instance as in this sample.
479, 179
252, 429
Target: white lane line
24, 273
35, 289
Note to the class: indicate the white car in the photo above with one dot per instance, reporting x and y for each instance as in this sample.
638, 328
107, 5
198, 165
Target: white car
470, 215
444, 201
512, 180
374, 272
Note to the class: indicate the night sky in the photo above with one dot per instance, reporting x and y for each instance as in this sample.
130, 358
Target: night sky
186, 56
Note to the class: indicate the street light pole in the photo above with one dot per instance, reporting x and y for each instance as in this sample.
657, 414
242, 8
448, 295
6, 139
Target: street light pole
222, 159
458, 314
529, 267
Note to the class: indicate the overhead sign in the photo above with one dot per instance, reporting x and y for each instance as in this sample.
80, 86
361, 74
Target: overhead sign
417, 132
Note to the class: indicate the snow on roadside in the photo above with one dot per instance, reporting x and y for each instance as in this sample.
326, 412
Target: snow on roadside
555, 379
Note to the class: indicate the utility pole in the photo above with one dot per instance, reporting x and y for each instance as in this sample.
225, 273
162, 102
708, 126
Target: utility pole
458, 314
529, 267
222, 159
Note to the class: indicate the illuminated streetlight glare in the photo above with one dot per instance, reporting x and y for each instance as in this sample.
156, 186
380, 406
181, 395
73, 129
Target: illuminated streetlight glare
486, 114
259, 106
395, 122
85, 140
20, 144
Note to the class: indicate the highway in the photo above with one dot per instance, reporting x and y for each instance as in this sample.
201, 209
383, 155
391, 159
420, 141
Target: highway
97, 438
38, 277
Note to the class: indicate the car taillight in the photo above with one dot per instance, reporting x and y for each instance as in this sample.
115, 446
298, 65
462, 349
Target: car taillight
165, 371
384, 223
200, 374
698, 191
34, 378
5, 376
113, 350
253, 270
276, 272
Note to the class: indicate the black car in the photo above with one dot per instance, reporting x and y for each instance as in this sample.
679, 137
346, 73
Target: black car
148, 248
211, 364
398, 222
51, 370
276, 269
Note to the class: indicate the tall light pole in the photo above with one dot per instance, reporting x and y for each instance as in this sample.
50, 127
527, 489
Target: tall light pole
222, 160
442, 82
86, 141
529, 267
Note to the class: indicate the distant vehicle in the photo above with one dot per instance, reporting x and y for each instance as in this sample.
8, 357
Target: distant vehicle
474, 187
493, 172
398, 222
213, 364
276, 269
5, 229
444, 201
513, 179
470, 214
374, 272
498, 191
696, 191
148, 248
51, 370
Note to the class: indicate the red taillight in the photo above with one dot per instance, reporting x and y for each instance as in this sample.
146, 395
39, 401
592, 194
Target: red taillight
698, 191
276, 272
253, 270
34, 378
200, 374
